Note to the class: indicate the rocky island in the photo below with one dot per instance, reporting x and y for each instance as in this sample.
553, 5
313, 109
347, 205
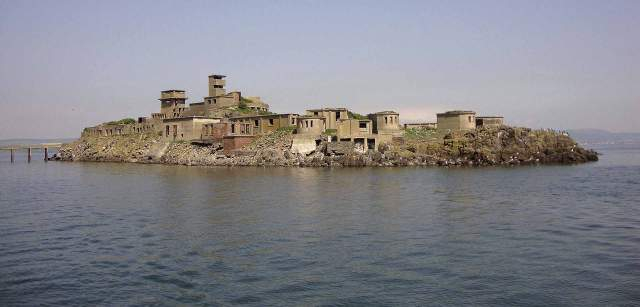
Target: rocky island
481, 147
228, 129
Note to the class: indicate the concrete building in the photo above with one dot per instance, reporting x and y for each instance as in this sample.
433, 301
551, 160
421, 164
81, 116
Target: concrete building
421, 126
143, 125
186, 128
262, 124
350, 128
233, 143
173, 106
456, 120
489, 121
330, 115
360, 132
386, 122
219, 98
215, 132
215, 120
311, 125
172, 103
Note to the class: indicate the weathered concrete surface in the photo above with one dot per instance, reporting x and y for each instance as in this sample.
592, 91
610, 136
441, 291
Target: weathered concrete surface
303, 144
478, 147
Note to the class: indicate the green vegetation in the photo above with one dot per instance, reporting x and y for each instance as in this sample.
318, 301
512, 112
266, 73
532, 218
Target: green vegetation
124, 121
289, 129
331, 132
355, 115
420, 134
244, 109
243, 102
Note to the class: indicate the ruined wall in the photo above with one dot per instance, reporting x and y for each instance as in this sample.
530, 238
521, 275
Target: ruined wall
310, 125
215, 131
263, 124
232, 143
196, 109
385, 121
489, 121
347, 128
273, 123
185, 129
331, 116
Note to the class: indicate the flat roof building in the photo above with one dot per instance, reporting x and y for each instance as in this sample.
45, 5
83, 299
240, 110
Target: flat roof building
489, 121
456, 120
331, 115
185, 128
386, 122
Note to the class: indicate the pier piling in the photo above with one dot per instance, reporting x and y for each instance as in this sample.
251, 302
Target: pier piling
30, 147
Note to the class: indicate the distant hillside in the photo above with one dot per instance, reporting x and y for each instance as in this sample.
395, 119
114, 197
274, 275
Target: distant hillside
598, 137
6, 142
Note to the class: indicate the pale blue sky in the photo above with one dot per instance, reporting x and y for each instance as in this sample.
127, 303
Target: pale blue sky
558, 64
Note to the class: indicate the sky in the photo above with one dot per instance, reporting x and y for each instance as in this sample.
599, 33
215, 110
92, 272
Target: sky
554, 64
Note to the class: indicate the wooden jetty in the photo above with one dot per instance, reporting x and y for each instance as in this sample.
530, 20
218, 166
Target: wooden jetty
44, 147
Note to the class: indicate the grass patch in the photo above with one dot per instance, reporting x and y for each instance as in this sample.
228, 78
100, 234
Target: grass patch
420, 134
289, 129
355, 115
124, 121
331, 132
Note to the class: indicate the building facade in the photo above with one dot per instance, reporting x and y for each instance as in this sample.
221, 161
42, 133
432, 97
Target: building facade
216, 119
456, 120
331, 115
311, 125
186, 128
262, 124
489, 121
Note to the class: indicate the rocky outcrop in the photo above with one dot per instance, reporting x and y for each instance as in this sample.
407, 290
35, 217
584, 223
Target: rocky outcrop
481, 147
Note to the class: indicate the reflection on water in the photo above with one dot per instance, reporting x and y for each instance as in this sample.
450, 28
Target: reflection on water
123, 234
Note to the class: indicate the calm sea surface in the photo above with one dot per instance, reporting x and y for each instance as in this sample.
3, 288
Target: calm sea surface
125, 234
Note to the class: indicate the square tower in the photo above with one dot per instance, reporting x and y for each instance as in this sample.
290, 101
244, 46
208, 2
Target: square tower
172, 103
216, 85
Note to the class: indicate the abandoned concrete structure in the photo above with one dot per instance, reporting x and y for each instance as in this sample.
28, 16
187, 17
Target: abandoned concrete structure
233, 143
489, 121
172, 103
230, 119
387, 122
360, 131
262, 124
330, 115
215, 132
175, 113
219, 99
456, 120
420, 126
311, 125
186, 128
349, 128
